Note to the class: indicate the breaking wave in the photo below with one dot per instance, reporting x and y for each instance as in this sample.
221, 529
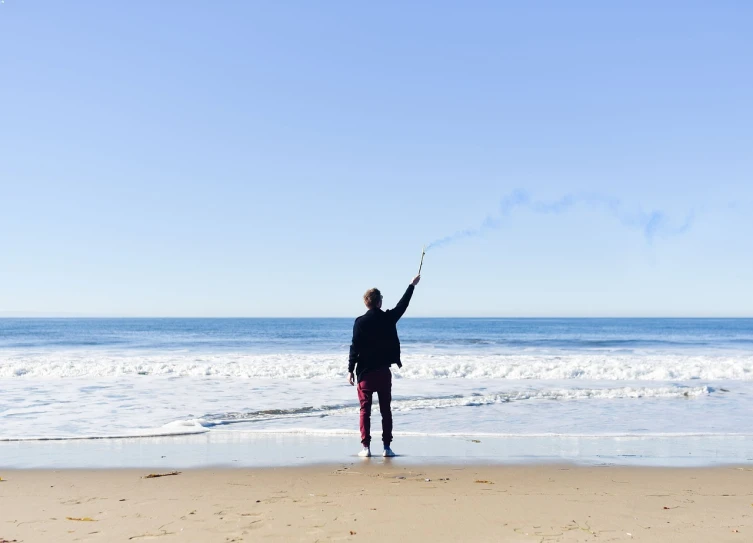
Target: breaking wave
586, 366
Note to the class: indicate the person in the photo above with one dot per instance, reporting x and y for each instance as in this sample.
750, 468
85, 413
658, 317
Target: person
375, 347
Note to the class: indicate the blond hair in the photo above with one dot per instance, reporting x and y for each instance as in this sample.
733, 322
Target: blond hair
372, 297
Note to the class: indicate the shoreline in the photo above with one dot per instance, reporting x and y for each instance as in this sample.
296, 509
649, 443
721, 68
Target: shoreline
218, 449
351, 501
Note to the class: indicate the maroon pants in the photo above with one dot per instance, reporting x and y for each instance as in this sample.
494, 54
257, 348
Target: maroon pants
379, 381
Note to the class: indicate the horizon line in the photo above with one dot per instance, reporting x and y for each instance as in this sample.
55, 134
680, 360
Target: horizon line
11, 315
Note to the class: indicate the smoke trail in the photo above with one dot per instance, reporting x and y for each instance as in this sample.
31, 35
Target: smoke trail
652, 223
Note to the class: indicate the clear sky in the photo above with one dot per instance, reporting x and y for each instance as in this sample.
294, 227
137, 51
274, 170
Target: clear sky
267, 158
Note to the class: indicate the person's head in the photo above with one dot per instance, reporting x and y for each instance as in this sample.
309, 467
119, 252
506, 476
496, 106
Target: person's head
373, 298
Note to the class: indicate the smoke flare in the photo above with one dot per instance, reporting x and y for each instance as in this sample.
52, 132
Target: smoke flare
652, 223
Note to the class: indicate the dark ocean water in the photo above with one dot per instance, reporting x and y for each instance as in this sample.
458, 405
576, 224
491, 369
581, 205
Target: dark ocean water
267, 335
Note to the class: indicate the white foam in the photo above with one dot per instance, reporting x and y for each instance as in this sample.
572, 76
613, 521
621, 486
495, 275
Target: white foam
605, 435
177, 428
610, 367
82, 409
474, 400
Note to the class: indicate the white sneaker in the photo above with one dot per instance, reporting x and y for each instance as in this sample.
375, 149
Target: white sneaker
365, 452
388, 453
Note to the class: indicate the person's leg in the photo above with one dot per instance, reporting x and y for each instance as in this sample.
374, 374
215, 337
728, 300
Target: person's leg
385, 398
364, 397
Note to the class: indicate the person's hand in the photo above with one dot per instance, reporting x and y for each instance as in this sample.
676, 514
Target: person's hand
351, 379
415, 281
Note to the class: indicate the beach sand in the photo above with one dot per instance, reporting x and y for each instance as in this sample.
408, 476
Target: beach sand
380, 500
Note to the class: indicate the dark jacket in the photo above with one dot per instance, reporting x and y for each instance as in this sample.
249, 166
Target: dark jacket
375, 343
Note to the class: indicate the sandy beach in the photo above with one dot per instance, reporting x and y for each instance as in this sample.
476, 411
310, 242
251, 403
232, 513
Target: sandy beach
380, 500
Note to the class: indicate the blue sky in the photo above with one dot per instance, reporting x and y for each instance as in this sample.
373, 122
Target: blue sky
279, 158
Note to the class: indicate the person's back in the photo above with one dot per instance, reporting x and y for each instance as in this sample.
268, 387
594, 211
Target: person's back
375, 337
375, 347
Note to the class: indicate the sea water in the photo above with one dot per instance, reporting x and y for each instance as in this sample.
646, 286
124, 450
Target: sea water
110, 378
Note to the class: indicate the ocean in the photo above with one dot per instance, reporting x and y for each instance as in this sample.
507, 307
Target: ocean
69, 379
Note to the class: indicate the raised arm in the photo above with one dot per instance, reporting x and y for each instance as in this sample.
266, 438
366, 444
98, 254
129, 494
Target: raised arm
402, 305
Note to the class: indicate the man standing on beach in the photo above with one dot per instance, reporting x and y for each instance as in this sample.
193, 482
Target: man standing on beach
375, 347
